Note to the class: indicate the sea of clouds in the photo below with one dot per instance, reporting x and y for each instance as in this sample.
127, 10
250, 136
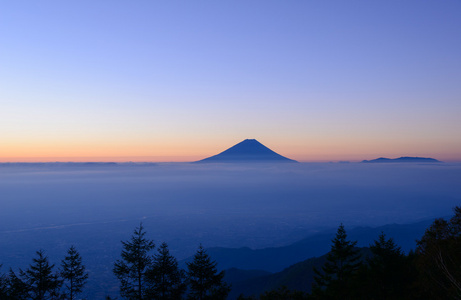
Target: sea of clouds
94, 206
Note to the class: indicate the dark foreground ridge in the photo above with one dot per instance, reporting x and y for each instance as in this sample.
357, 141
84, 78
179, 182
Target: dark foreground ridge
404, 159
249, 150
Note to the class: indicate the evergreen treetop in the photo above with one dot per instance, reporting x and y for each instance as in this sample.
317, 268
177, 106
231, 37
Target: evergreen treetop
342, 263
136, 261
388, 273
40, 280
165, 277
73, 272
205, 282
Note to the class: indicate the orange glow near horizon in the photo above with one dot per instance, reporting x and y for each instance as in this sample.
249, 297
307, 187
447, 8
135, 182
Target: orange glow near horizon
130, 100
101, 159
311, 157
312, 150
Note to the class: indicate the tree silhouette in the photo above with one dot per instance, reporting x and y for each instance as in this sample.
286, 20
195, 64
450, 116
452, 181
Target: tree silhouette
166, 278
73, 273
3, 285
342, 263
39, 279
204, 280
439, 258
16, 289
136, 261
388, 274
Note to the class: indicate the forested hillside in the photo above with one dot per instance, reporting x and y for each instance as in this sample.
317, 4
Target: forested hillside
148, 271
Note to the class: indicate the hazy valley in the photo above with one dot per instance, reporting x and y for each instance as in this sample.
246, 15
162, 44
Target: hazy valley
95, 206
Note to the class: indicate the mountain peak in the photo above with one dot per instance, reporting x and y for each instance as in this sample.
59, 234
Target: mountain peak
404, 159
249, 150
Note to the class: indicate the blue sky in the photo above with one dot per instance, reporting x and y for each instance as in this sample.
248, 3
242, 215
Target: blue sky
179, 80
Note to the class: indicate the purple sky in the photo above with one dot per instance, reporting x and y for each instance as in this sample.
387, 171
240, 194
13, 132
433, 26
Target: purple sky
182, 80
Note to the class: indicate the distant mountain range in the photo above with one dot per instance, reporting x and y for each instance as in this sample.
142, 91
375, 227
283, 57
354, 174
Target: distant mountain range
250, 271
403, 159
299, 276
249, 150
275, 259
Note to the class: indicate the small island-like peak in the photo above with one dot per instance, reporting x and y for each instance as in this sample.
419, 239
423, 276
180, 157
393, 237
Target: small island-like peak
403, 159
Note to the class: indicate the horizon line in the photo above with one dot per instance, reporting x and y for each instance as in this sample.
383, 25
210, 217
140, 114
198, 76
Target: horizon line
178, 161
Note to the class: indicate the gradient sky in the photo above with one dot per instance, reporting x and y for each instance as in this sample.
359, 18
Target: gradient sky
183, 80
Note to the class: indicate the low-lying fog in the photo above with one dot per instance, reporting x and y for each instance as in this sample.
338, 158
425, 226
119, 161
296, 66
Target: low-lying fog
52, 206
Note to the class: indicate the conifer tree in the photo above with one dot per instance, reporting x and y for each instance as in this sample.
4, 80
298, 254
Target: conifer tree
136, 261
17, 289
342, 263
388, 273
40, 280
3, 284
204, 280
439, 258
167, 280
73, 273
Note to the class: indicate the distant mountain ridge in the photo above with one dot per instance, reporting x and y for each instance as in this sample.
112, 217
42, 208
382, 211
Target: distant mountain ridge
405, 159
249, 150
299, 276
275, 259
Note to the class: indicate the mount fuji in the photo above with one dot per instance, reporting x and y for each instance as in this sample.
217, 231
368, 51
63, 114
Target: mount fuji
249, 150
